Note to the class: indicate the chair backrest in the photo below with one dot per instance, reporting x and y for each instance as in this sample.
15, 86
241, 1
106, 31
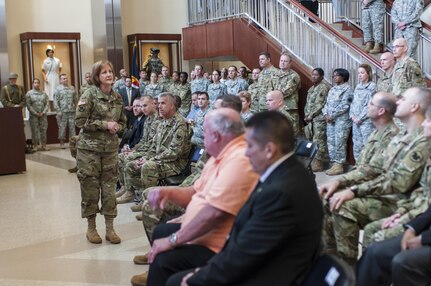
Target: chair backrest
306, 151
194, 155
329, 270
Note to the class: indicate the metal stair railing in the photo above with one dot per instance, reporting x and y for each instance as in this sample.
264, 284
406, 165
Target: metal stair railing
350, 11
314, 44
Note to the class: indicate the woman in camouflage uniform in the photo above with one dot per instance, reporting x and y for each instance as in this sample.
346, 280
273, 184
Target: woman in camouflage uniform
100, 116
37, 103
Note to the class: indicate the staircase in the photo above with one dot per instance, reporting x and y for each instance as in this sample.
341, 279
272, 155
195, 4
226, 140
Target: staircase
320, 44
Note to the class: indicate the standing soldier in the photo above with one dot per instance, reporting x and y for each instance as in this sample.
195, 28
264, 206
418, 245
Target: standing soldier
101, 117
37, 103
165, 79
316, 129
65, 100
288, 82
265, 76
88, 83
258, 103
338, 123
407, 72
217, 88
12, 95
373, 14
143, 81
406, 15
200, 83
384, 82
362, 125
235, 84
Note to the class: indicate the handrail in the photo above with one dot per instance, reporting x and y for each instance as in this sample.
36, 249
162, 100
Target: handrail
314, 44
336, 33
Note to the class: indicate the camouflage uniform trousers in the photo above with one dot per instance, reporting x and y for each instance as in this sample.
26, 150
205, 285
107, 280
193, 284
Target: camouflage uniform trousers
411, 34
122, 163
66, 118
360, 134
372, 22
97, 174
341, 229
72, 145
138, 179
318, 136
39, 126
373, 232
337, 133
297, 130
151, 217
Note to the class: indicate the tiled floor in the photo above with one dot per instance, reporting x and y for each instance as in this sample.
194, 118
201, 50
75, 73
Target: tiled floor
42, 235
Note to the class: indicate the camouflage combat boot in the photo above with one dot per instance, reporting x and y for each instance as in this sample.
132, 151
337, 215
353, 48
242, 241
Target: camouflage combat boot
369, 46
44, 148
110, 232
140, 280
336, 169
137, 207
141, 259
92, 235
378, 49
317, 166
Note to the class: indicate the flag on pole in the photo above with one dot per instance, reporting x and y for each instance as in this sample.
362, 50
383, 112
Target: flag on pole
135, 66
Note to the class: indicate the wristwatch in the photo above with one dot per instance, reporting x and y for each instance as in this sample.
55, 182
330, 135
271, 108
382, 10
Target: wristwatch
173, 239
354, 190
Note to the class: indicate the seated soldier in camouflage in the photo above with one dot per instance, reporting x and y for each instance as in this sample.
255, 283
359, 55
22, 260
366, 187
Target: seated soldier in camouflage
388, 179
407, 209
140, 149
275, 102
168, 153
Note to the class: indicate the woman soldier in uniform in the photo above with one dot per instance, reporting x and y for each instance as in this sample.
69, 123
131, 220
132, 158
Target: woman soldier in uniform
100, 116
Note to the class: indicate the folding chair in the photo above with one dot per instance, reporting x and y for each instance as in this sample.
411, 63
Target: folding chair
329, 270
306, 151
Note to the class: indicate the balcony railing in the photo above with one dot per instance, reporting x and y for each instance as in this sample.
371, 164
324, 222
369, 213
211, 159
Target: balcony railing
314, 44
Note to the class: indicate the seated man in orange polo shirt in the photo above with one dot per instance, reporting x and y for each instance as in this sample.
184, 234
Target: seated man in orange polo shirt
211, 203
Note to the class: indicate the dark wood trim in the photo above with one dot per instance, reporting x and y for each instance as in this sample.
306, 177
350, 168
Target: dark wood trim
49, 36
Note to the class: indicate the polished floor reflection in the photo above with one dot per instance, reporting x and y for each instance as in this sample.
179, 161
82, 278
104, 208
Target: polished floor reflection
42, 238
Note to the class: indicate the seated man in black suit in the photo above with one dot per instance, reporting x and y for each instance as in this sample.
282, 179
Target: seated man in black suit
276, 235
404, 260
130, 139
128, 93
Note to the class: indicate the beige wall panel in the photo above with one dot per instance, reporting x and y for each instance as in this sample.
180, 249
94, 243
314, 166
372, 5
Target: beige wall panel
152, 17
48, 16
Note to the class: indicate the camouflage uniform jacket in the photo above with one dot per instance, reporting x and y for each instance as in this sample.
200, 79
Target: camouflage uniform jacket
235, 86
285, 111
401, 167
198, 128
265, 80
408, 11
84, 87
419, 199
95, 110
171, 143
361, 97
37, 101
199, 84
385, 82
184, 92
407, 73
65, 99
165, 82
338, 102
288, 82
119, 84
142, 85
215, 90
154, 90
12, 95
316, 99
375, 148
148, 133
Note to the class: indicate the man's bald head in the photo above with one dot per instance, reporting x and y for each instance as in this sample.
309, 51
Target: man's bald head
274, 100
387, 61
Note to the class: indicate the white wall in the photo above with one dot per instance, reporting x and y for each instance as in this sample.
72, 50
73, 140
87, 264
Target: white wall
48, 16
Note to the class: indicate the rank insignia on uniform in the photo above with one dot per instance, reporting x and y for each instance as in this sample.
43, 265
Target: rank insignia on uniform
416, 157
